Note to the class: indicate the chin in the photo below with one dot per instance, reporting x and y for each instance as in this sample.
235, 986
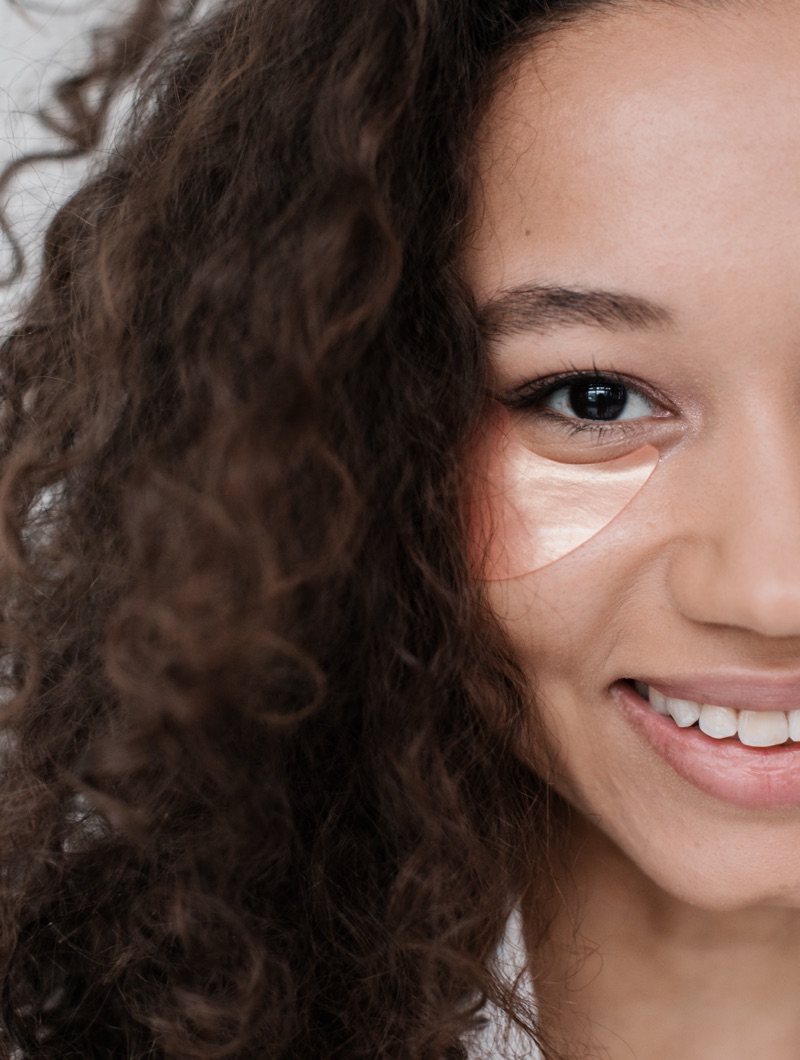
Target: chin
689, 849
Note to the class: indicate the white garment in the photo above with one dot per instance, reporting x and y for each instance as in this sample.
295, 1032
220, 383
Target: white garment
499, 1039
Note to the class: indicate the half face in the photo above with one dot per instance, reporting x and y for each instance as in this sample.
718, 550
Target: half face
637, 265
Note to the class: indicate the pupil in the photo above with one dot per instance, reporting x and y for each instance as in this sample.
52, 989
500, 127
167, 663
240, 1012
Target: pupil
597, 399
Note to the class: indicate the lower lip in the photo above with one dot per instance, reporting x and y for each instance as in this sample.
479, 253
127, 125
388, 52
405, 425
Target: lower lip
755, 778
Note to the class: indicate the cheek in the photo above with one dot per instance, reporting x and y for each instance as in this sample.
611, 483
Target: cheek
554, 554
559, 622
570, 620
558, 619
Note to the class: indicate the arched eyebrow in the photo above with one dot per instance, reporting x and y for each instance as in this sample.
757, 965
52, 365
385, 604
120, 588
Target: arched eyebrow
543, 308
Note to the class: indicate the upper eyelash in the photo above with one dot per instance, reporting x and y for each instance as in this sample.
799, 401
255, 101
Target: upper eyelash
529, 393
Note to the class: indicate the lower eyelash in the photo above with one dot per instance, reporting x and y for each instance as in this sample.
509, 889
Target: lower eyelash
595, 429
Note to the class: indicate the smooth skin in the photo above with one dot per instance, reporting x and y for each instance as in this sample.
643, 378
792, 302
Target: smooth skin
653, 151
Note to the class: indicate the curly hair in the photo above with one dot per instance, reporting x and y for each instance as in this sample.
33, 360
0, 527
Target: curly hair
260, 795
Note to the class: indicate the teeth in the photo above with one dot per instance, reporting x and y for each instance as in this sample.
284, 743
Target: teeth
718, 722
763, 728
658, 702
754, 728
683, 711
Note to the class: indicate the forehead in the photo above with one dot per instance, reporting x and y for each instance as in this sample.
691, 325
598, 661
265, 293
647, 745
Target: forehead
622, 147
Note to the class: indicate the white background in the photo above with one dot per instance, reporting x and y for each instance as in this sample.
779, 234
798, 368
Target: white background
40, 42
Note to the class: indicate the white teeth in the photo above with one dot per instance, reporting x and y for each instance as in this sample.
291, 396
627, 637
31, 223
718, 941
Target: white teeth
683, 711
658, 702
718, 722
763, 728
755, 728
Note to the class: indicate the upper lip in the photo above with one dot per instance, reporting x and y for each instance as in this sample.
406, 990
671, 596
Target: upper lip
742, 690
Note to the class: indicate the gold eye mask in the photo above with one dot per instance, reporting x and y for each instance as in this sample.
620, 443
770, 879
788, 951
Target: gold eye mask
540, 510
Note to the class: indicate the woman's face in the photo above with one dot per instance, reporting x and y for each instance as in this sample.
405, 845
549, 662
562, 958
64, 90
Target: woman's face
652, 154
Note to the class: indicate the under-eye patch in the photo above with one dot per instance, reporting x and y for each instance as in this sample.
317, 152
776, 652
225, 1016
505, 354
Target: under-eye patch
536, 510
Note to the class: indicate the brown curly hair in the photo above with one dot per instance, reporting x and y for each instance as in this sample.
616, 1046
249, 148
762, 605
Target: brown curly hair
259, 790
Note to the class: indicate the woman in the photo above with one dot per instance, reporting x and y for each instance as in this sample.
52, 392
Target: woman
400, 515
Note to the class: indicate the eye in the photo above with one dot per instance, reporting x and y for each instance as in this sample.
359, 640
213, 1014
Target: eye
581, 416
598, 399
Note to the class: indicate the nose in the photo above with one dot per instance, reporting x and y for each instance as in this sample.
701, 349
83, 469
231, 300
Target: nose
738, 561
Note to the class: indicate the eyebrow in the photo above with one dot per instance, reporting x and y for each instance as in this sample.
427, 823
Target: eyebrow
542, 308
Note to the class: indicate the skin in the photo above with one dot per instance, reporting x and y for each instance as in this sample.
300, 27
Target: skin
655, 151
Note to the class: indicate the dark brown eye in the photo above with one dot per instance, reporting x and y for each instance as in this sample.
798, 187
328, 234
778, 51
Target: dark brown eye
598, 399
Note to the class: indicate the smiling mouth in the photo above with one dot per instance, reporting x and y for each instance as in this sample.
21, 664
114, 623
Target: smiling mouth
752, 728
